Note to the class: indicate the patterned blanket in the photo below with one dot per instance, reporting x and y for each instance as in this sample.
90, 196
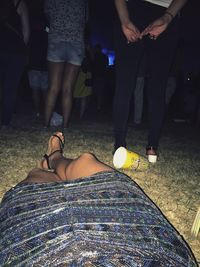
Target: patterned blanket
102, 220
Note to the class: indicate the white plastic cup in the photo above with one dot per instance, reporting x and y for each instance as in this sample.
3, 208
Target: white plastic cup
126, 159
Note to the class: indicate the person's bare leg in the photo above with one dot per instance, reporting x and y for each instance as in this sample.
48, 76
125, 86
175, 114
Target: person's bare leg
85, 165
69, 78
55, 81
38, 175
65, 169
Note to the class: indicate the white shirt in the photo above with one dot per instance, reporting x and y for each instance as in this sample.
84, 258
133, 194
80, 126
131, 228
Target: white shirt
164, 3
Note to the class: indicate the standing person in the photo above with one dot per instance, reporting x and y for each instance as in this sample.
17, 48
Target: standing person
38, 74
150, 26
138, 94
83, 85
14, 32
67, 19
99, 68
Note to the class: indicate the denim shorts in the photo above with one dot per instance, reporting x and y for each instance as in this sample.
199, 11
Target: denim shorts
38, 79
62, 51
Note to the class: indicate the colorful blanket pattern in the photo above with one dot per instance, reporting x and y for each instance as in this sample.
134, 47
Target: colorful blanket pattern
102, 220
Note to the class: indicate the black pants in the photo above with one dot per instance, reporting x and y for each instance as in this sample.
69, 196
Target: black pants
11, 69
159, 56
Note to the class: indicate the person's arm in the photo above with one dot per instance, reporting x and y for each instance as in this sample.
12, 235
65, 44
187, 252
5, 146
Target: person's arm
130, 31
23, 12
175, 7
161, 24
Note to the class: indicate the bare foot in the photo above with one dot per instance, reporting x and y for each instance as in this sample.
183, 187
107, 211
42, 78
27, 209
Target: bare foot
54, 151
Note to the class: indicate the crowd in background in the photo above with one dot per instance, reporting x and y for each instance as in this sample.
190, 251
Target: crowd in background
49, 47
95, 83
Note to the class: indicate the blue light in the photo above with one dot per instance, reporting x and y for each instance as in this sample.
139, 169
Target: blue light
111, 56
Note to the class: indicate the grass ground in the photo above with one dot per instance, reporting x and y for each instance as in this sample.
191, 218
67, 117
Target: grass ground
173, 183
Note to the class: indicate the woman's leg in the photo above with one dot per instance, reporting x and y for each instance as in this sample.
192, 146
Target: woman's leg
160, 54
38, 175
85, 165
69, 77
55, 80
65, 169
127, 61
34, 84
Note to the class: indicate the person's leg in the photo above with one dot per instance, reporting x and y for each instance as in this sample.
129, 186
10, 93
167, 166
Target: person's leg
170, 89
127, 61
139, 91
64, 169
138, 100
43, 87
160, 57
83, 105
37, 175
34, 83
14, 67
55, 81
67, 169
69, 78
85, 165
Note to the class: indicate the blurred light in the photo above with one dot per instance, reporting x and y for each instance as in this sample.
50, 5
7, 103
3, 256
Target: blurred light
111, 56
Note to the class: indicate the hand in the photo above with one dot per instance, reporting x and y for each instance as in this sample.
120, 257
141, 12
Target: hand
157, 27
131, 32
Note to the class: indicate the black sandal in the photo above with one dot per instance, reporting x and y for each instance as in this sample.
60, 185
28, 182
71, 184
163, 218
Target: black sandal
50, 169
46, 156
62, 142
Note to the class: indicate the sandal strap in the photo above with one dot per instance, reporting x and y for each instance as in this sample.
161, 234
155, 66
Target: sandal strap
47, 159
62, 142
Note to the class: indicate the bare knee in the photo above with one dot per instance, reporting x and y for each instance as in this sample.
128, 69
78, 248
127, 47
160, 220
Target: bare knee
32, 175
87, 156
34, 172
67, 93
53, 91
